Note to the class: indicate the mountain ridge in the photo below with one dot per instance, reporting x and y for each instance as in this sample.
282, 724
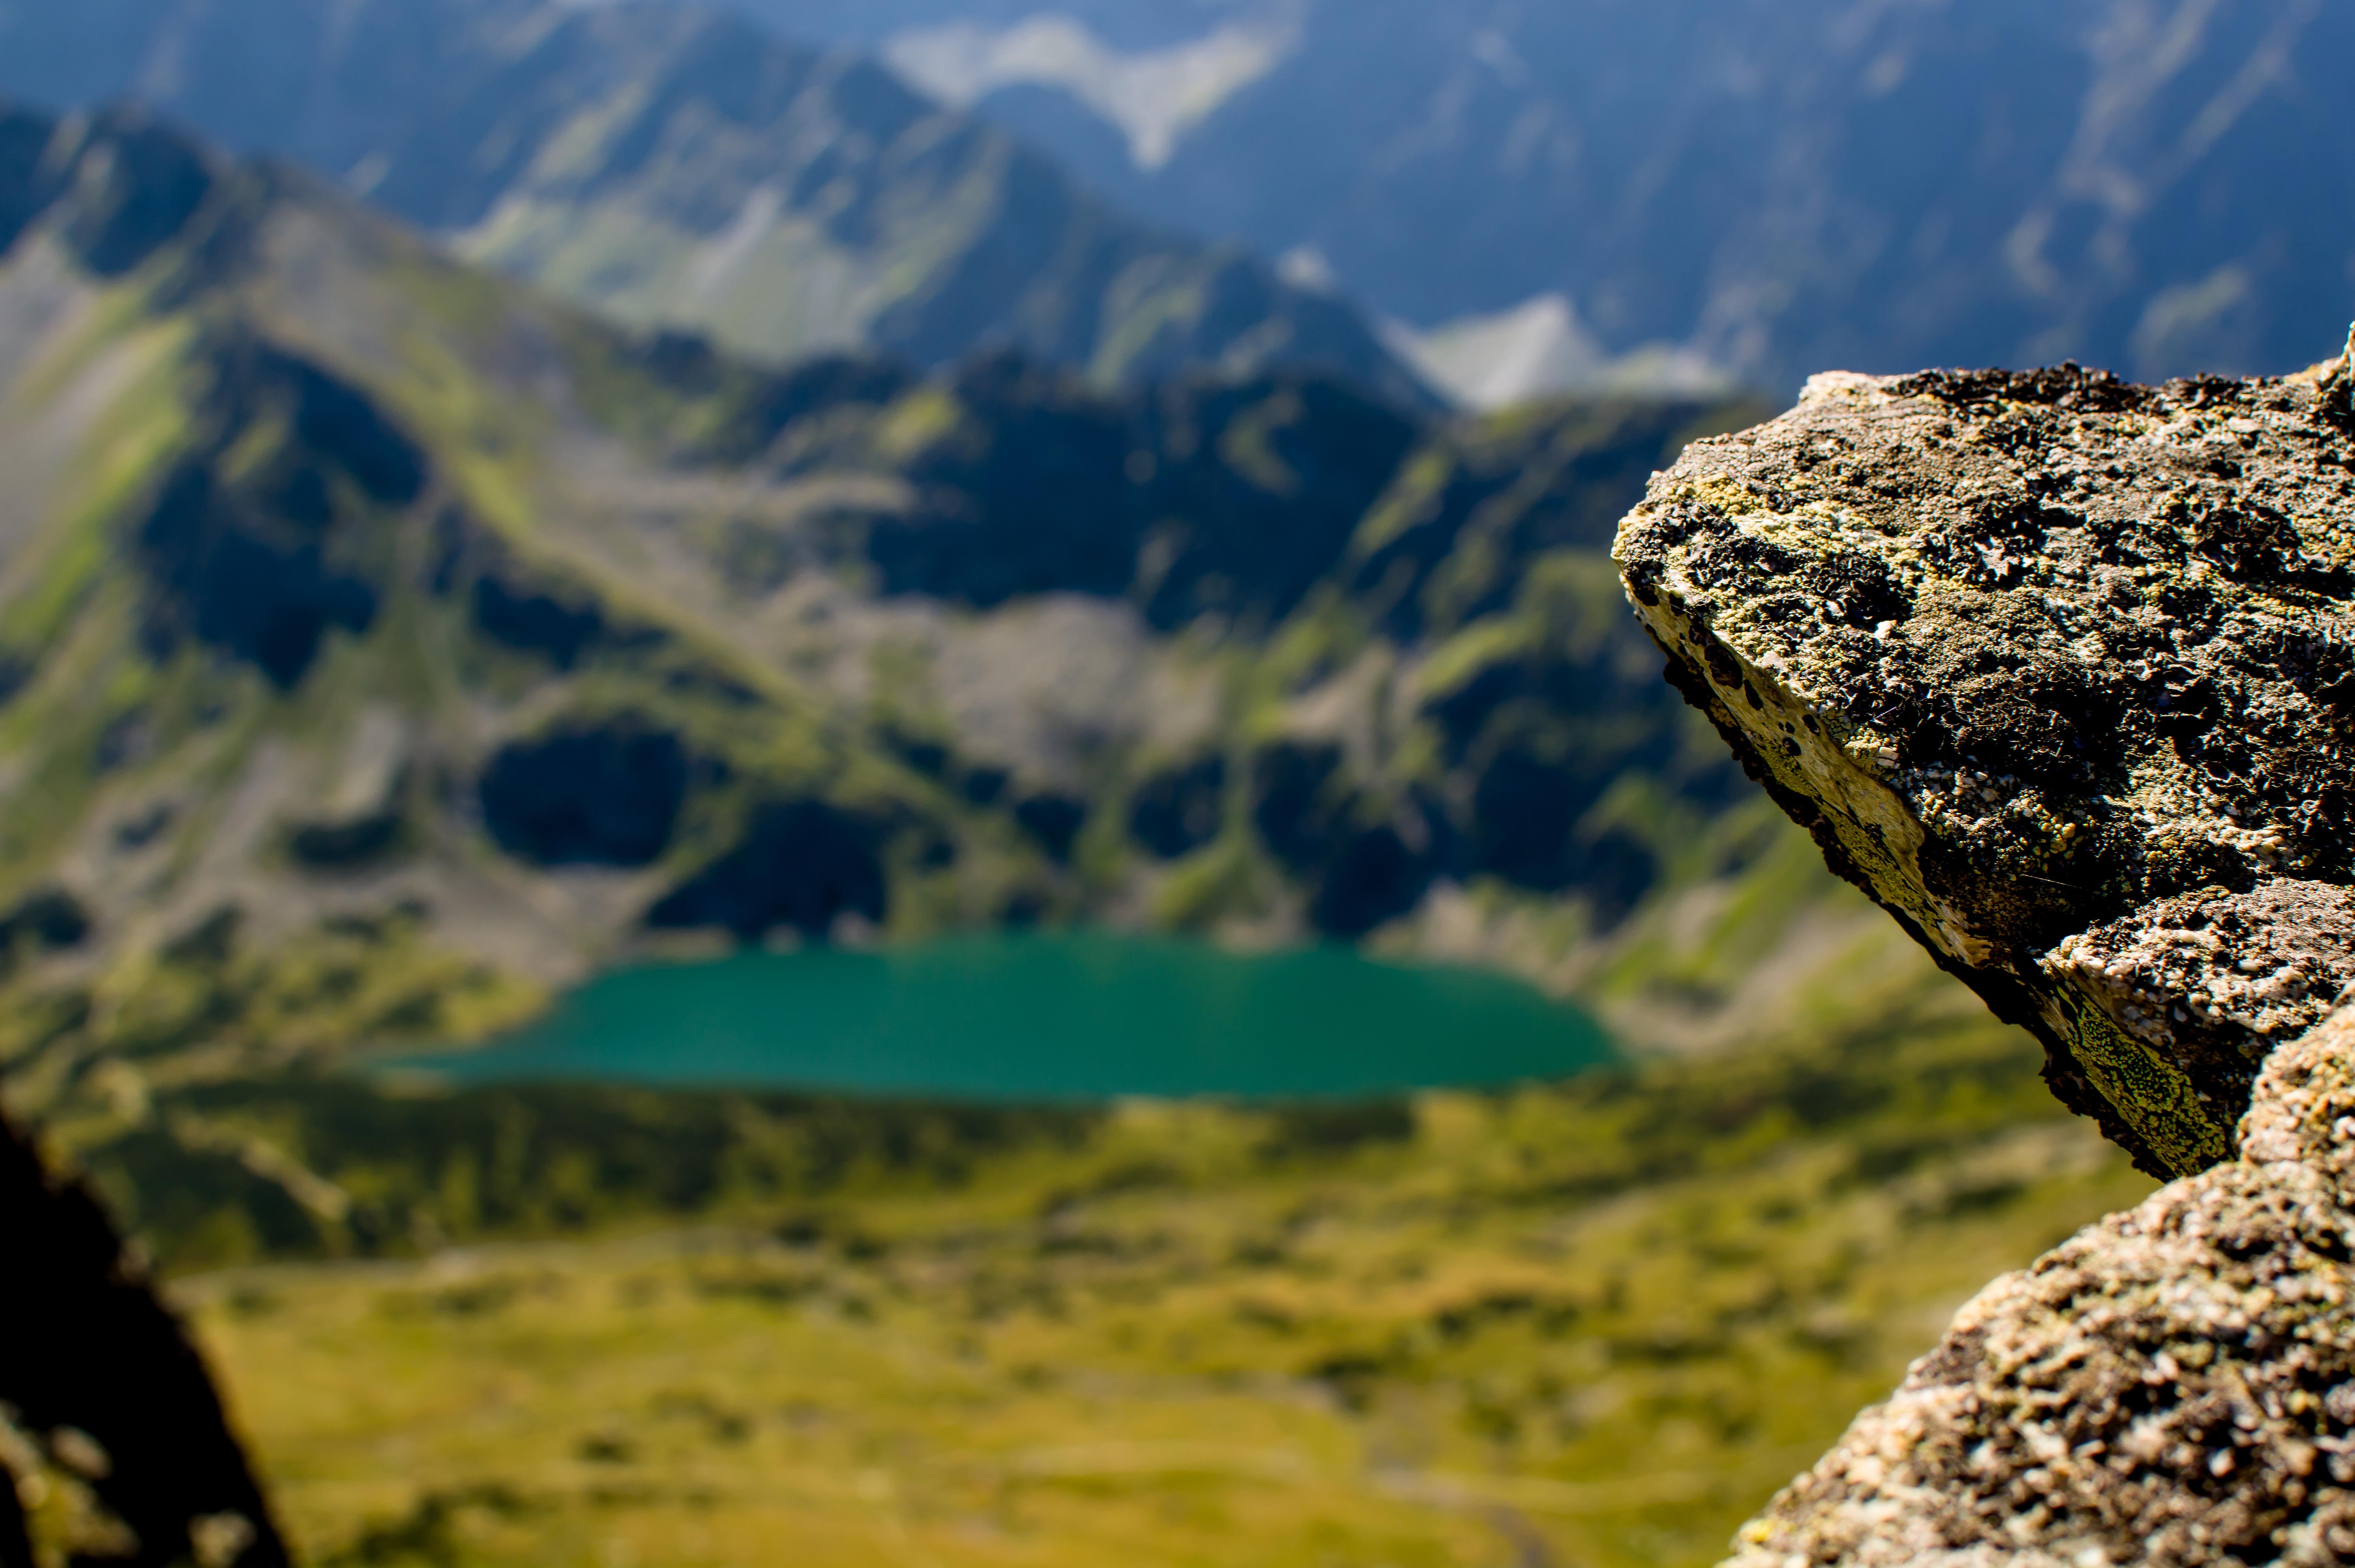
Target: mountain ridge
679, 167
1774, 189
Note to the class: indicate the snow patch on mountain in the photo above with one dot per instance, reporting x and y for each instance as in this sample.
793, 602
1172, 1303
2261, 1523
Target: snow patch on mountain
1540, 347
1153, 96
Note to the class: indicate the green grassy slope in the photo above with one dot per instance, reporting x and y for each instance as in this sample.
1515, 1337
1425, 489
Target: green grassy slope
1596, 1323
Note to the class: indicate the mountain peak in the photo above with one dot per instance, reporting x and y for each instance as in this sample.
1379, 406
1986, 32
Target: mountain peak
674, 167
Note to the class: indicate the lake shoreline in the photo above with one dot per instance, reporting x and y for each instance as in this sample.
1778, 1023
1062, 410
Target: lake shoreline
1041, 1016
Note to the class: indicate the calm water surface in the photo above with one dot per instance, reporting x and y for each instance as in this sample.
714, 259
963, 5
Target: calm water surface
1048, 1017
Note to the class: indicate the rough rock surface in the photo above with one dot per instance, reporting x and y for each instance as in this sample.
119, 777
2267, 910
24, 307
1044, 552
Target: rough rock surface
2176, 1385
2060, 670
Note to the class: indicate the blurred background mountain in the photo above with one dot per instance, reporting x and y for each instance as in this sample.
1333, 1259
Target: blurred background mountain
1681, 196
368, 603
1665, 192
496, 490
680, 167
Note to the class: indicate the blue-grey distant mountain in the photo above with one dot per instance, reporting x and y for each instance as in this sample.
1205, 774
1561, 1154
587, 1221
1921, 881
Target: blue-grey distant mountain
682, 167
1776, 186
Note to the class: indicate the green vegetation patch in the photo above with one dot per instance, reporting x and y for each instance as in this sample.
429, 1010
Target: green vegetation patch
1600, 1320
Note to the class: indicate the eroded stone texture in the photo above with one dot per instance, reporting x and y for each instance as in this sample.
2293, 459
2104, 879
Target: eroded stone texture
2213, 978
2061, 670
2176, 1385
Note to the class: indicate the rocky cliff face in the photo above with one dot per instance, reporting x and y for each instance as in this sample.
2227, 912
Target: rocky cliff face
2058, 669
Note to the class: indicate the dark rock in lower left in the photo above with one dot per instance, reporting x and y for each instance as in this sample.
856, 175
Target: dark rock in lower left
95, 1366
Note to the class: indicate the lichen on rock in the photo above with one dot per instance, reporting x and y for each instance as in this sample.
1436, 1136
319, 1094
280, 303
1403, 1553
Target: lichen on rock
2214, 978
2060, 670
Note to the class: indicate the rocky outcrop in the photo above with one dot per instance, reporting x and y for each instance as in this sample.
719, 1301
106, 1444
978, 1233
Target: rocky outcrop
2059, 670
97, 1373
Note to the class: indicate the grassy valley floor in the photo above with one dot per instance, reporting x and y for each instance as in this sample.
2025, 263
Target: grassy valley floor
1594, 1324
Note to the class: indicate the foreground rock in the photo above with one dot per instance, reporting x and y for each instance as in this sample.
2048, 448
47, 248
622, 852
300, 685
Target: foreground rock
2062, 671
2173, 1386
99, 1380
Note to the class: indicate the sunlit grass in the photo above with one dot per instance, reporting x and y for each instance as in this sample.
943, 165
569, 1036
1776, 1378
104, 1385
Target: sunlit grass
1594, 1324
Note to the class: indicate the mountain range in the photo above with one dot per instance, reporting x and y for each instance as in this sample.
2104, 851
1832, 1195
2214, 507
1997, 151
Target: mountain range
1681, 198
558, 484
1760, 187
671, 166
388, 642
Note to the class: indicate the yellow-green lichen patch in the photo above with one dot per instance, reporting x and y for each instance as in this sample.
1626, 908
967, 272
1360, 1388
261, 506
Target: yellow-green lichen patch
2152, 1094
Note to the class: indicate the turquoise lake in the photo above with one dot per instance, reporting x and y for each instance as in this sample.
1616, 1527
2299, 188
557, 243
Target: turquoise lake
1046, 1017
